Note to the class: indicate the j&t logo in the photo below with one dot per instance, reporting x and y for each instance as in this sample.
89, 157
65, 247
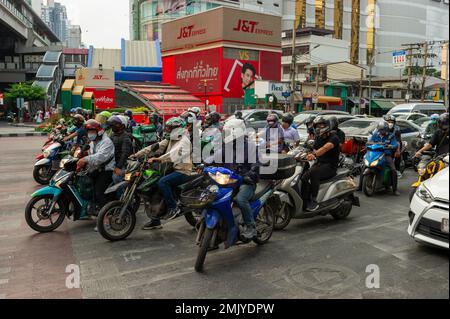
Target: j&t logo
189, 31
246, 26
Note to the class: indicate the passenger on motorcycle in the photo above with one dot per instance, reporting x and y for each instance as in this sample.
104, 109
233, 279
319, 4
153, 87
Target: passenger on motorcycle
433, 126
310, 128
131, 121
439, 139
291, 135
336, 130
79, 132
123, 146
326, 150
273, 134
383, 135
100, 162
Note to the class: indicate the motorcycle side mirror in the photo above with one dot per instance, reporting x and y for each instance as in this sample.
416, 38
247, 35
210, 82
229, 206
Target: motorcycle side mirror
310, 144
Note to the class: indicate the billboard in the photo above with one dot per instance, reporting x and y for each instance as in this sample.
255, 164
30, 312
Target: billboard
104, 98
399, 59
237, 26
95, 78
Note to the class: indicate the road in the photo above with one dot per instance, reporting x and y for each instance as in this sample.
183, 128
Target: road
318, 258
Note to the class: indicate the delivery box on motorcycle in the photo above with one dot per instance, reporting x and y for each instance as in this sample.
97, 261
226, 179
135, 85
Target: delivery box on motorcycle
277, 166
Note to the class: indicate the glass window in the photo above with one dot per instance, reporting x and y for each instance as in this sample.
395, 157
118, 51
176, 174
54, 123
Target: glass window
405, 128
259, 116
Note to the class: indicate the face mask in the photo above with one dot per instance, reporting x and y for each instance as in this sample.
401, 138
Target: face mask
391, 126
115, 129
92, 137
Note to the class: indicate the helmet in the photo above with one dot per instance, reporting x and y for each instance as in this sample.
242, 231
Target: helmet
79, 110
78, 120
129, 113
233, 130
435, 118
383, 127
214, 117
175, 128
322, 125
196, 110
62, 121
117, 123
238, 115
390, 118
272, 119
288, 118
93, 125
443, 122
310, 121
334, 123
73, 110
188, 117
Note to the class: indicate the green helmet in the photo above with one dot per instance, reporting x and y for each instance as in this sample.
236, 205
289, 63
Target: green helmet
175, 128
176, 122
106, 114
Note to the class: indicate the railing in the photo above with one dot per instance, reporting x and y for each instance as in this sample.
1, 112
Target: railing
14, 11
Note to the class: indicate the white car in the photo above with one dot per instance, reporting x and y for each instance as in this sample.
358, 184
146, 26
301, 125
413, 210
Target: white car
429, 211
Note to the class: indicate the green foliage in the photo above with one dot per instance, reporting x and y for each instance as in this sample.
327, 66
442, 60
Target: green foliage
26, 91
122, 110
418, 71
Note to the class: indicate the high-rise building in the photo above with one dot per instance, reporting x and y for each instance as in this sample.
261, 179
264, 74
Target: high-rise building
74, 37
54, 15
36, 5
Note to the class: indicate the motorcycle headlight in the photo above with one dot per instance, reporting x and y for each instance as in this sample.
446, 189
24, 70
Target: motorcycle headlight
366, 162
129, 176
223, 179
424, 194
422, 171
374, 164
47, 153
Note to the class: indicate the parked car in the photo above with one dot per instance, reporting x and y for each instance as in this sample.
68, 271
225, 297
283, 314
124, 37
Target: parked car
256, 118
361, 129
429, 211
423, 122
342, 118
409, 116
425, 108
303, 116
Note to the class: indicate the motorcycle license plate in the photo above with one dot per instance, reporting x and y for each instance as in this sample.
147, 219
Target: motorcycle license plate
444, 226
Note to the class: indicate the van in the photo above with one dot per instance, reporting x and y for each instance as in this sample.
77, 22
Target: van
424, 108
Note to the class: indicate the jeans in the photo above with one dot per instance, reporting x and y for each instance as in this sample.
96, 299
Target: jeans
246, 192
312, 178
390, 163
118, 179
167, 183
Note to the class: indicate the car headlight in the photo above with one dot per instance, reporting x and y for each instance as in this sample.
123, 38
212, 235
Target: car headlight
223, 179
424, 194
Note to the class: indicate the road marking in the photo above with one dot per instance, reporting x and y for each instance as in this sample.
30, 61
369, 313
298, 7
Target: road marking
2, 296
6, 270
4, 281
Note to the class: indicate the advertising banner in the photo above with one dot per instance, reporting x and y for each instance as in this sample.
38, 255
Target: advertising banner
104, 98
399, 59
239, 76
193, 69
95, 78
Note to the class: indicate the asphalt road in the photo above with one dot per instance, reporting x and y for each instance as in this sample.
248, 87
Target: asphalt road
317, 258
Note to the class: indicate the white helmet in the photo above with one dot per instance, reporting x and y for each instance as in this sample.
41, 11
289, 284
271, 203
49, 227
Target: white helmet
196, 110
233, 130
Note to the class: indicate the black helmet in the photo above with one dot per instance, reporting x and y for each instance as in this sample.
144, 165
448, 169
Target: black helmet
238, 115
288, 118
443, 122
214, 118
334, 123
383, 127
325, 125
390, 118
310, 121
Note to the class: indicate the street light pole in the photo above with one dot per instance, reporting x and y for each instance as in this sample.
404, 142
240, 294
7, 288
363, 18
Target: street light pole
372, 61
206, 92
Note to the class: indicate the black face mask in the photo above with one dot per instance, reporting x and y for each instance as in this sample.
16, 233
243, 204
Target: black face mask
116, 129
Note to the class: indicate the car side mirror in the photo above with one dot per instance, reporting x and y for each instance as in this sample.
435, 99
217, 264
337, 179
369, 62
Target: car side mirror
251, 120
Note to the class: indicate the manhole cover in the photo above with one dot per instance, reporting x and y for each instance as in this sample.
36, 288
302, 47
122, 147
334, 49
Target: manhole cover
323, 278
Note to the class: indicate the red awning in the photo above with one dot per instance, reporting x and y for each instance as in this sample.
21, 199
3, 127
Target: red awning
170, 97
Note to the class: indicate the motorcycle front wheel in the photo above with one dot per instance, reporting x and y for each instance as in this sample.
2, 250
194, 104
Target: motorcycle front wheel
283, 217
42, 174
368, 185
38, 217
110, 227
205, 244
265, 225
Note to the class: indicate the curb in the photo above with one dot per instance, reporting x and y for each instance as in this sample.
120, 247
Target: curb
23, 134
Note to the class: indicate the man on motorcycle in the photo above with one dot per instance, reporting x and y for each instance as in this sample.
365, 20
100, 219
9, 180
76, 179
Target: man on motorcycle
101, 160
178, 152
394, 130
433, 126
131, 122
156, 121
79, 132
197, 112
326, 150
291, 135
273, 134
439, 139
123, 146
336, 130
383, 135
310, 127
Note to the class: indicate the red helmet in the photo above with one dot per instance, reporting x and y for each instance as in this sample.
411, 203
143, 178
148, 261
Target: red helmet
93, 125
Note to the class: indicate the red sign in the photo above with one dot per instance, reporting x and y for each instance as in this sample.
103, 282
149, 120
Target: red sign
104, 98
195, 70
239, 76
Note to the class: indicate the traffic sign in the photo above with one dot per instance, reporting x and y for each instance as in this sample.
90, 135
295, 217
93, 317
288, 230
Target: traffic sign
399, 59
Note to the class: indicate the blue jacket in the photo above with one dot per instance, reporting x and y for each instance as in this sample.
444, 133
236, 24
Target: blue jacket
387, 139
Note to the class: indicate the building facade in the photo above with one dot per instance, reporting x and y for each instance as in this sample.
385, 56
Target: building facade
74, 37
54, 15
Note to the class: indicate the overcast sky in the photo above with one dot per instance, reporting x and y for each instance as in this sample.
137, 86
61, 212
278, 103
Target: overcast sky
103, 22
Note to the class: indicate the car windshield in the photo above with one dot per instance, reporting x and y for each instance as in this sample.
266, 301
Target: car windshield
301, 118
358, 127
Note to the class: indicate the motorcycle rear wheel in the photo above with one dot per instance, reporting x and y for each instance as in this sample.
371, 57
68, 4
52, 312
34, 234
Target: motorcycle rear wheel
265, 225
343, 211
283, 217
40, 212
109, 226
203, 250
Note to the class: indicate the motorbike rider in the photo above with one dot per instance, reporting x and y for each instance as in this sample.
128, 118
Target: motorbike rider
309, 123
100, 162
123, 146
326, 150
131, 122
156, 121
336, 130
433, 126
273, 134
439, 138
79, 131
291, 135
178, 152
383, 135
197, 112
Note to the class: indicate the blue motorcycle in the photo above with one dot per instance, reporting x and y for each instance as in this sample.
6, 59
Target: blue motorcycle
222, 221
377, 175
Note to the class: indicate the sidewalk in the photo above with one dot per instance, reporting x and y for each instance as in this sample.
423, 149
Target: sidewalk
18, 130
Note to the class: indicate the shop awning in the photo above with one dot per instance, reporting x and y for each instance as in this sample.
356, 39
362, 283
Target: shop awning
330, 100
384, 105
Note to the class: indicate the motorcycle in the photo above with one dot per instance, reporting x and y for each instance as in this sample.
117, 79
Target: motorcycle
116, 221
222, 221
48, 163
336, 195
428, 166
377, 175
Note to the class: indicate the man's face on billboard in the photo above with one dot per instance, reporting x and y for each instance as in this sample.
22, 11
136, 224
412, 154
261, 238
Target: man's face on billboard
248, 77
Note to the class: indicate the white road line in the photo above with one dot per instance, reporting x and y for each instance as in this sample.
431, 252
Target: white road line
6, 270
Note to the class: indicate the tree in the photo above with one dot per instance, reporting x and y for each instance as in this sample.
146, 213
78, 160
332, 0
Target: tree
418, 71
26, 91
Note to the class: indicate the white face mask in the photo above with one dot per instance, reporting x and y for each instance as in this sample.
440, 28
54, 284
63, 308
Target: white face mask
92, 137
391, 126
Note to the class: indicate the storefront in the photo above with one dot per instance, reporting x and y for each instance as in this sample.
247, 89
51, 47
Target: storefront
218, 55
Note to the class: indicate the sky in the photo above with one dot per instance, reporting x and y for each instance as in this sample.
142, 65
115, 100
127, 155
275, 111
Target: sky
103, 22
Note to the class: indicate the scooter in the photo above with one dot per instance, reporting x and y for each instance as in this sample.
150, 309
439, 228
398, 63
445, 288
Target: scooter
48, 163
222, 221
377, 175
336, 196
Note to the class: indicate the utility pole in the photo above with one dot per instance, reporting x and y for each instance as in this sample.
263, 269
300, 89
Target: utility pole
293, 66
446, 75
361, 91
424, 73
318, 74
410, 60
372, 61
